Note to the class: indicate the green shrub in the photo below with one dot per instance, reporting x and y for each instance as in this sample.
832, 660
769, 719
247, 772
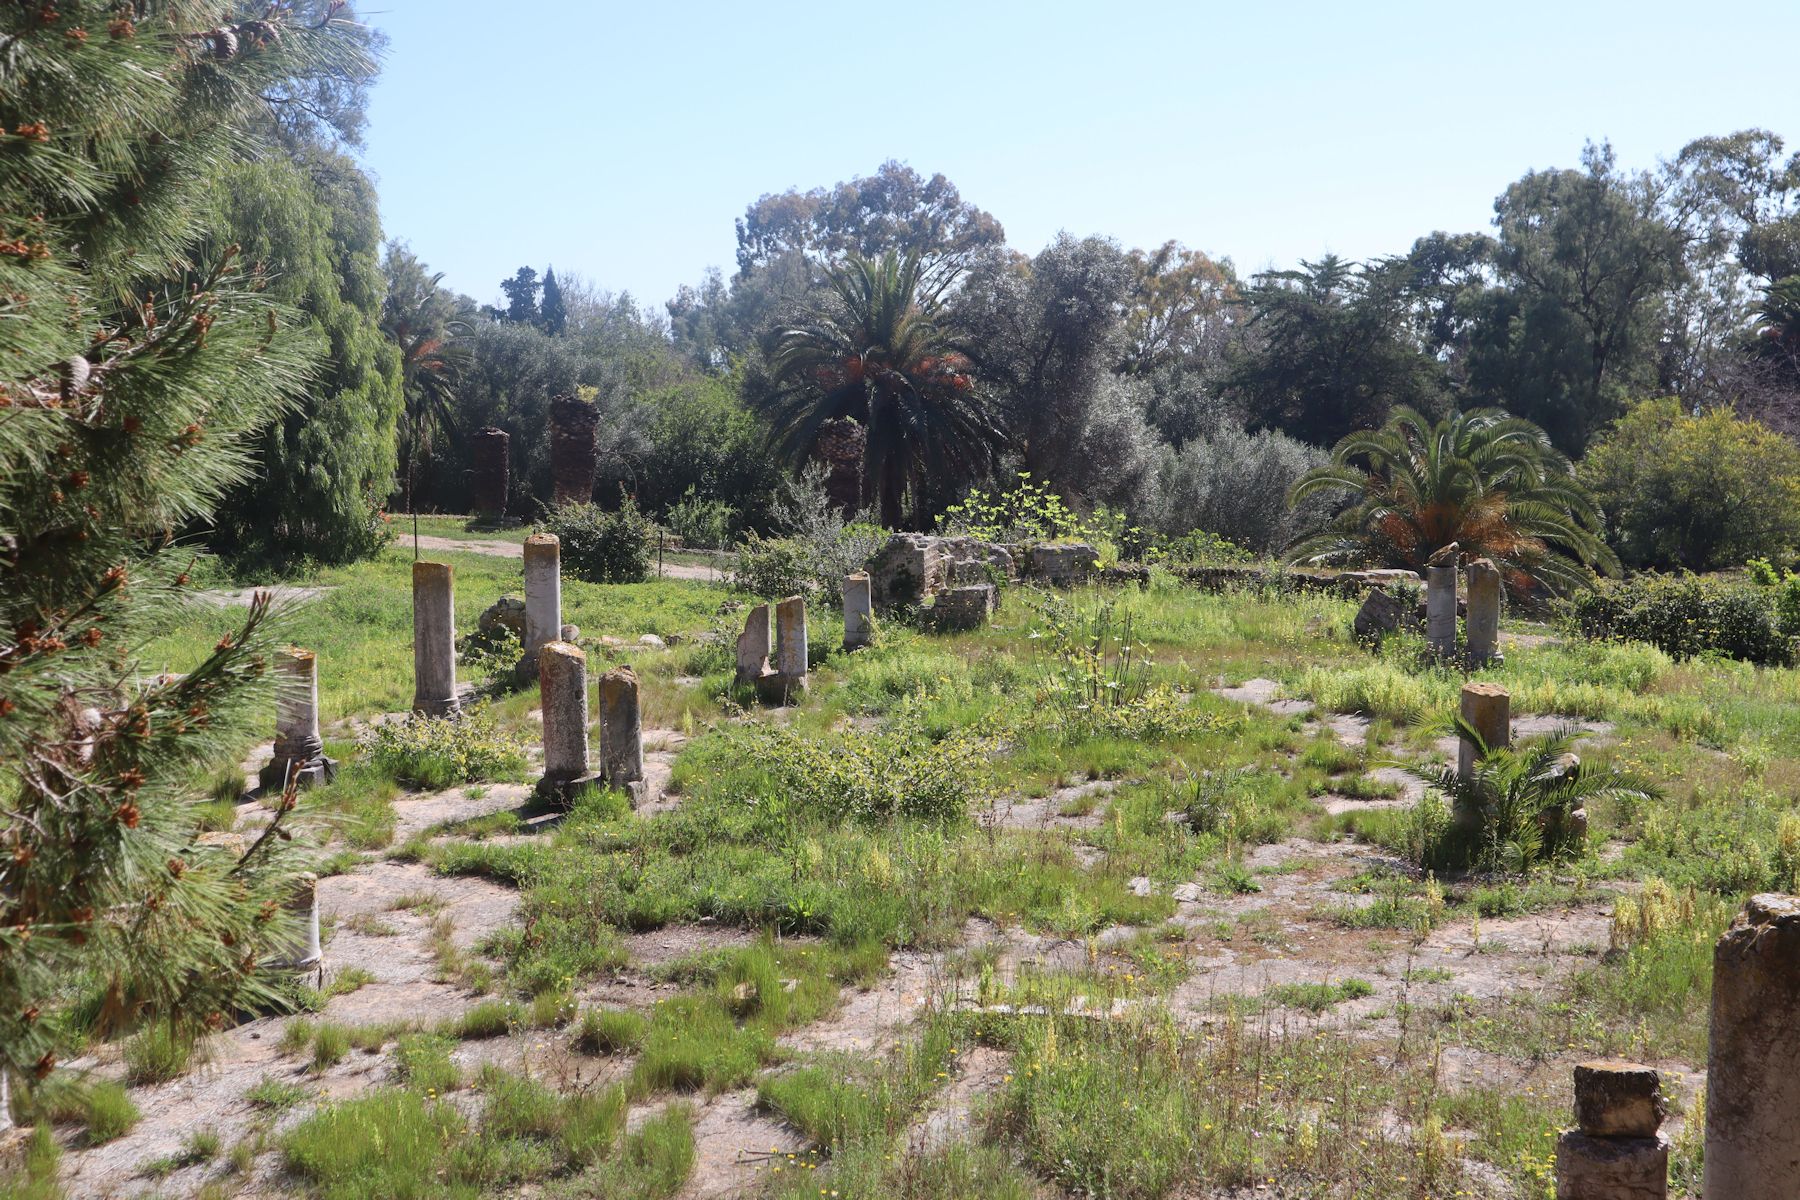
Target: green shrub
876, 775
436, 753
384, 1146
102, 1107
422, 1060
158, 1054
771, 568
1686, 616
701, 523
600, 546
610, 1031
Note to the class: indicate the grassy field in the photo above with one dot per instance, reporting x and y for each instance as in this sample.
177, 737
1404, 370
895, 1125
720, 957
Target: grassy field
1144, 939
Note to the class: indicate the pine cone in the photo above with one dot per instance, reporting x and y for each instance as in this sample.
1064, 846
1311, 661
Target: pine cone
223, 41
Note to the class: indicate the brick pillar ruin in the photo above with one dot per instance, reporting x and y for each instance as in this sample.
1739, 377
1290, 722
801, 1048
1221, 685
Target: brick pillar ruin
299, 750
1440, 610
859, 611
434, 639
839, 446
490, 472
1616, 1151
562, 683
543, 600
1753, 1065
1481, 627
622, 733
574, 454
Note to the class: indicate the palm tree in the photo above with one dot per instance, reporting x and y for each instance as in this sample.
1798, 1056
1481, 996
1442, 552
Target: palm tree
425, 321
871, 351
1525, 803
1487, 481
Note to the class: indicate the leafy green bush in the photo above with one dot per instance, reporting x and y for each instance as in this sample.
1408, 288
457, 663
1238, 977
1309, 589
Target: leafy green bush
701, 523
436, 753
877, 776
600, 546
1686, 616
770, 568
1030, 513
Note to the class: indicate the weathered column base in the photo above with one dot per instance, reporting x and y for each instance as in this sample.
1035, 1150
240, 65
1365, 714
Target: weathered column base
776, 688
1602, 1168
305, 955
559, 791
307, 772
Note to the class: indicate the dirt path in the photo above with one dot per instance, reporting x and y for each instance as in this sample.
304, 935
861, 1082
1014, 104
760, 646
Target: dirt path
498, 549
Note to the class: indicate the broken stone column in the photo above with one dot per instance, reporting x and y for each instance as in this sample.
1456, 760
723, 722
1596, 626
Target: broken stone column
1488, 708
490, 469
574, 453
434, 639
621, 732
859, 611
562, 680
301, 952
299, 751
753, 647
790, 647
1753, 1066
543, 599
1481, 626
1440, 610
1616, 1151
839, 445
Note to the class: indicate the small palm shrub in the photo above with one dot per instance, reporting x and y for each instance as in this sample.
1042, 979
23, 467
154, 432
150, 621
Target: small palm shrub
600, 546
1519, 805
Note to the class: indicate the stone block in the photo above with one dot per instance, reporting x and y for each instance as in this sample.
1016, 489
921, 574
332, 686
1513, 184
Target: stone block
1753, 1063
968, 607
1591, 1168
1618, 1099
1061, 565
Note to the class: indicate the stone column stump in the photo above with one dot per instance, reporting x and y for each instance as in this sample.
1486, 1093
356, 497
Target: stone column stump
1488, 708
790, 648
859, 611
1481, 627
753, 646
622, 733
562, 682
1753, 1066
543, 600
299, 750
1616, 1151
434, 639
302, 953
1440, 610
573, 452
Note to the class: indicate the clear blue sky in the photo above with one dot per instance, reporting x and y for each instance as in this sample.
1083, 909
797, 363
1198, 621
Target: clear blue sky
620, 141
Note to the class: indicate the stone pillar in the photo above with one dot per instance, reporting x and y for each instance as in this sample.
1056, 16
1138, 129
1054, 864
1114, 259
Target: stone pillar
434, 639
543, 599
302, 953
753, 646
790, 646
1440, 610
562, 680
1481, 626
1616, 1151
1753, 1067
573, 453
1487, 707
490, 468
621, 732
859, 611
299, 751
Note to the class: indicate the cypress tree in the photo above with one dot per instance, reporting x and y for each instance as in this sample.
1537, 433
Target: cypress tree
137, 363
552, 314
